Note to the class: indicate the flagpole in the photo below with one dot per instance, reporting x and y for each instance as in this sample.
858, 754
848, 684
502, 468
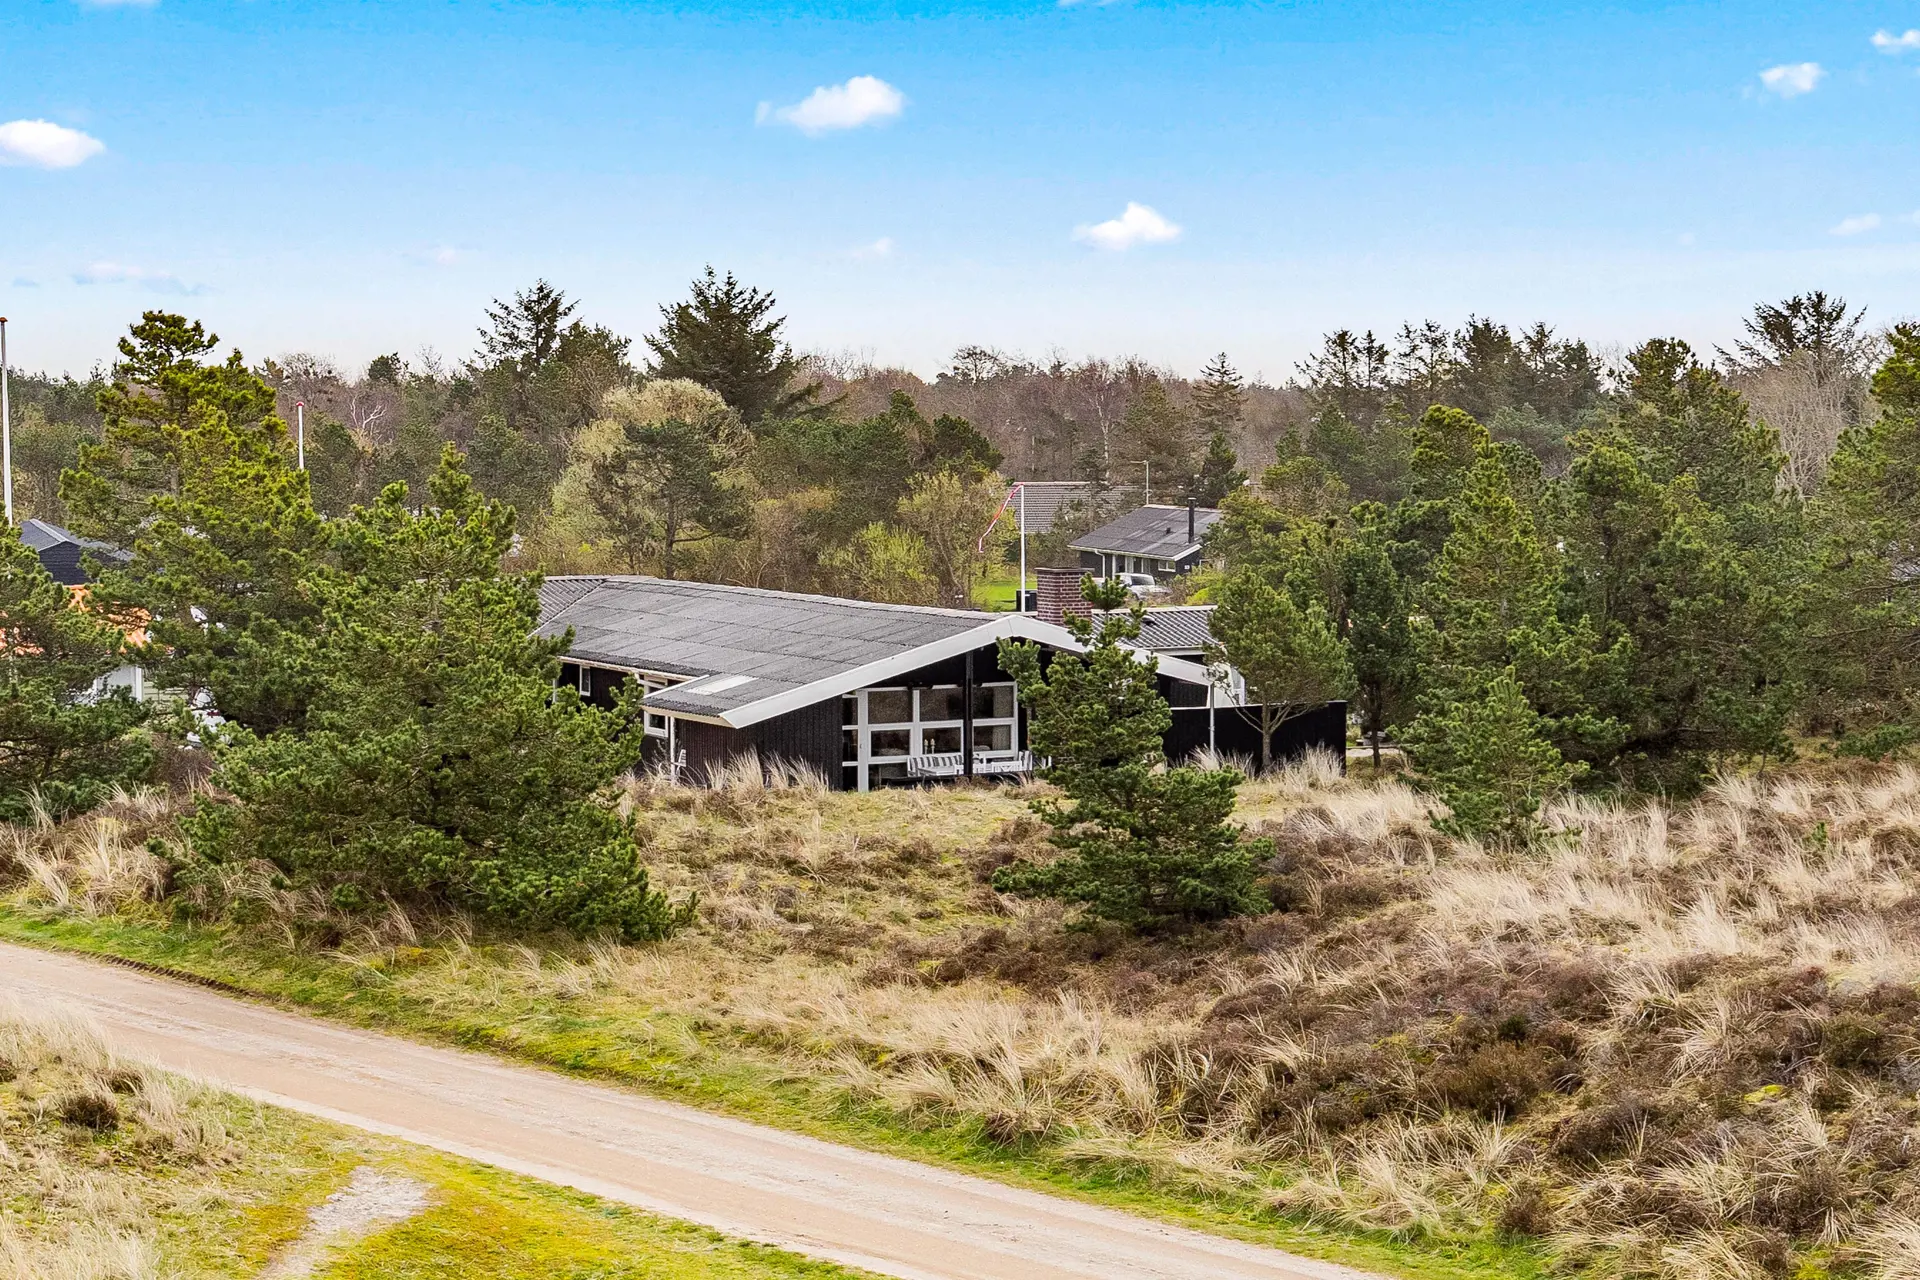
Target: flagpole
1020, 599
300, 414
6, 423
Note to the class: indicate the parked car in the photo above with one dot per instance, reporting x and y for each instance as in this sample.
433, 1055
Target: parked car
1140, 584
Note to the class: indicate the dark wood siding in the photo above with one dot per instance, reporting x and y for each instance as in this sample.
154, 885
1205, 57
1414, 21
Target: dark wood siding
810, 735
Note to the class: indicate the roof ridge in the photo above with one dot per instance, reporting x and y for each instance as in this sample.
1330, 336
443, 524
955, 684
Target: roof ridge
608, 579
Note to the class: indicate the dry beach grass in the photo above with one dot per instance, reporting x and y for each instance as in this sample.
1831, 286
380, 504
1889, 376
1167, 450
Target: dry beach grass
1681, 1041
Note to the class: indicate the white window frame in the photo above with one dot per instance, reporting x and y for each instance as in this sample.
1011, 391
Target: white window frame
864, 727
654, 723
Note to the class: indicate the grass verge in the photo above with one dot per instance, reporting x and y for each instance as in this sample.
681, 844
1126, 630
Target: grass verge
716, 1066
112, 1170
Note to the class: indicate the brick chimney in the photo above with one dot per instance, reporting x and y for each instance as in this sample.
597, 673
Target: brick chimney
1059, 595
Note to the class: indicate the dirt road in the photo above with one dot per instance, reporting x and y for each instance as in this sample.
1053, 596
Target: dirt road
878, 1212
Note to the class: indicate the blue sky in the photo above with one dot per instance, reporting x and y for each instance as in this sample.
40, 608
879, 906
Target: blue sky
354, 177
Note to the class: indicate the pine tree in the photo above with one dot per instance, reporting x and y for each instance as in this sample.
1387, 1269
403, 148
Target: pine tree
665, 484
1447, 443
438, 762
1379, 635
1142, 844
1708, 663
1491, 579
1219, 473
62, 740
1491, 605
537, 381
1866, 616
195, 478
1288, 655
1689, 422
1158, 434
1220, 398
726, 337
1488, 757
162, 394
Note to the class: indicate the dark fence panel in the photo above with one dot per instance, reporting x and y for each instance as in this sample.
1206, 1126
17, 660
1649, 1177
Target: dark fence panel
1236, 731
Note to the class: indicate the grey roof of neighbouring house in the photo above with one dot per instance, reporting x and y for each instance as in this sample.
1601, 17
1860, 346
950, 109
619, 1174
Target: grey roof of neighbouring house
1156, 531
61, 553
1176, 628
778, 640
1046, 499
743, 650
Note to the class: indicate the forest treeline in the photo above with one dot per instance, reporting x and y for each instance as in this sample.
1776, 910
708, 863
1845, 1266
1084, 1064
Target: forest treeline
819, 473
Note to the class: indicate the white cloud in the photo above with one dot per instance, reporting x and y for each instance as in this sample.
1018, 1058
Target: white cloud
46, 145
861, 100
1791, 79
1137, 225
881, 248
1855, 225
120, 273
1905, 42
438, 255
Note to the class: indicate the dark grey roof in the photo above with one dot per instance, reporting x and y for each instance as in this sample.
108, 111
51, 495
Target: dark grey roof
755, 644
1046, 499
61, 553
1176, 628
1156, 531
557, 593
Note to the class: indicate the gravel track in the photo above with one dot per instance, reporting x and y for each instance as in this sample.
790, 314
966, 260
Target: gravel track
854, 1207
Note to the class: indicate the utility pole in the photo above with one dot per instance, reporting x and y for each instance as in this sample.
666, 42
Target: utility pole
6, 423
300, 445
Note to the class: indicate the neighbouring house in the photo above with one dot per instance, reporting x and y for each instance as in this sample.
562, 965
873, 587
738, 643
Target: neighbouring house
64, 556
867, 694
1160, 540
1177, 630
1037, 505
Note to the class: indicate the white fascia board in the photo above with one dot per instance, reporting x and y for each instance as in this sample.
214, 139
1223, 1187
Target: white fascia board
1103, 551
688, 715
678, 677
1012, 626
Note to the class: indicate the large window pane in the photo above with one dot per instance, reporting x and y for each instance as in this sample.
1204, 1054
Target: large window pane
849, 744
994, 702
997, 737
941, 704
891, 742
940, 741
889, 706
